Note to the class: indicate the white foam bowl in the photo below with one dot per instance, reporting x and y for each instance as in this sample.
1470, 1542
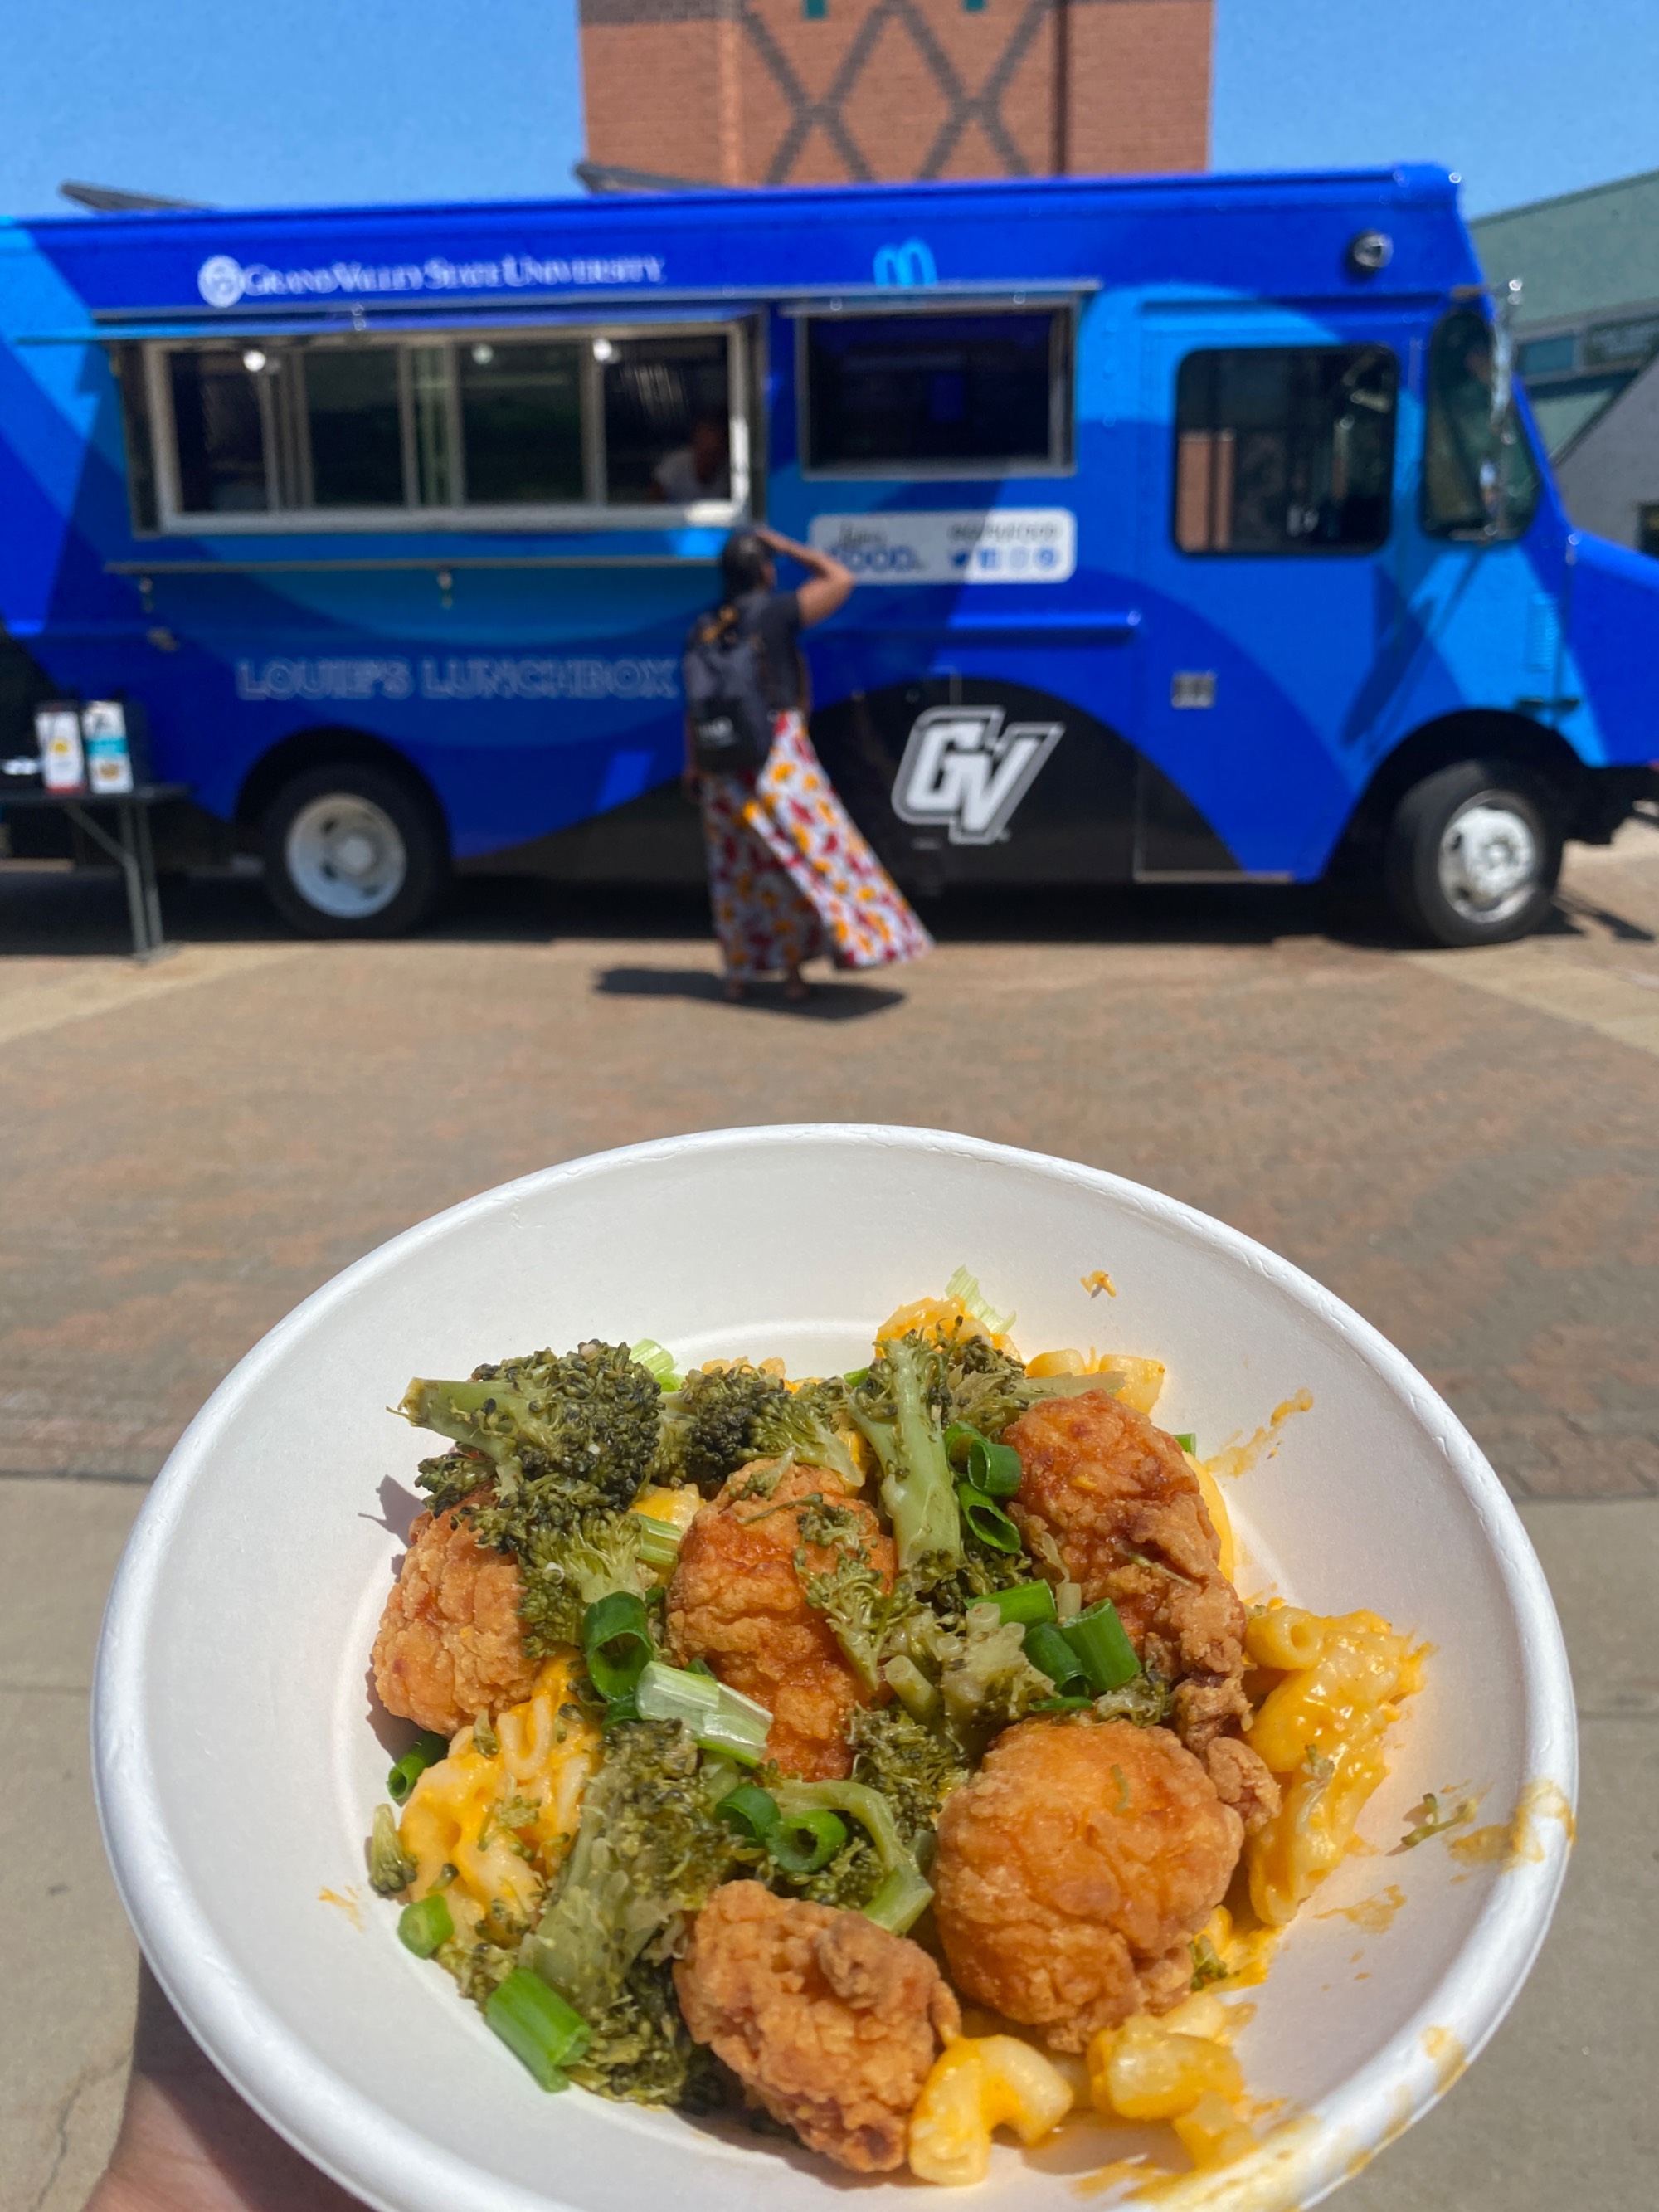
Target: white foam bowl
235, 1744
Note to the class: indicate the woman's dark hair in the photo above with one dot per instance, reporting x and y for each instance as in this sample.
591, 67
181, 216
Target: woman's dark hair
744, 564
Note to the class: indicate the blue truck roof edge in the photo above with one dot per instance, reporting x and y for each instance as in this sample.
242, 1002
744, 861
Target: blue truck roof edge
1423, 183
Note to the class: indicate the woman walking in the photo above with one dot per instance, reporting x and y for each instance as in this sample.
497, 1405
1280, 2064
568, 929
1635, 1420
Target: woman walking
789, 876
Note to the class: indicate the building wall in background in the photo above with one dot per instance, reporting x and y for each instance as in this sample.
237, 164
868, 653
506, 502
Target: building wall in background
1588, 336
746, 92
1609, 475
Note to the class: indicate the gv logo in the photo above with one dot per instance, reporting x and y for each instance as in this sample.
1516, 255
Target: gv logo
220, 280
905, 265
962, 767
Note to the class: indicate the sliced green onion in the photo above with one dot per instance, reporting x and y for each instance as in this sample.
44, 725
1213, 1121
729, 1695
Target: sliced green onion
965, 1290
423, 1926
675, 1693
536, 2025
427, 1750
1068, 1599
753, 1812
619, 1710
801, 1842
900, 1902
658, 1360
659, 1541
720, 1718
1103, 1650
1049, 1652
919, 1697
1029, 1603
903, 1895
735, 1739
986, 1519
994, 1468
1061, 1705
1187, 1439
616, 1643
856, 1375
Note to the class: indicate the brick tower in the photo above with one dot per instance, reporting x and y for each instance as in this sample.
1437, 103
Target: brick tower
746, 92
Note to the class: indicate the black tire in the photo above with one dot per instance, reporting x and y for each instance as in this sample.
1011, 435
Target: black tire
353, 850
1474, 852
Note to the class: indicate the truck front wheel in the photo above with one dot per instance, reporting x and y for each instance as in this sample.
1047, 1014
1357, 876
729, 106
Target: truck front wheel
352, 852
1473, 854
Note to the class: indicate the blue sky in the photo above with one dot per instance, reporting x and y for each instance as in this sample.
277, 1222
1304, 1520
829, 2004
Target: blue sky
316, 101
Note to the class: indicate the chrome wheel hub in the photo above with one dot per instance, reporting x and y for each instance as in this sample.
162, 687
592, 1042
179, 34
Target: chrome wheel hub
1489, 859
346, 856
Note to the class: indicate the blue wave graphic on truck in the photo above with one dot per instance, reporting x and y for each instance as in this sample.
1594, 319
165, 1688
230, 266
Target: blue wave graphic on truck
1196, 534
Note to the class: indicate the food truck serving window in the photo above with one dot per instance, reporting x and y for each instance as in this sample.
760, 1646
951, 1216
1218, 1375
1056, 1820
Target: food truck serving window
481, 431
972, 394
1285, 449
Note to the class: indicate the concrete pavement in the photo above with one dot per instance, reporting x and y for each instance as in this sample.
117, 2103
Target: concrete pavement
1464, 1148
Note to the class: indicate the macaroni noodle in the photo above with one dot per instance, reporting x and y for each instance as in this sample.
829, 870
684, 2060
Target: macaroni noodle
979, 2083
1148, 2070
1320, 1730
1138, 1381
502, 1822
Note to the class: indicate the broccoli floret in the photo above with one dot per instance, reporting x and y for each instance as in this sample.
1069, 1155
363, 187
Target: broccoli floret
585, 1420
563, 1444
900, 1896
454, 1475
643, 2053
987, 1388
479, 1968
985, 1679
568, 1561
914, 1768
708, 1424
648, 1853
898, 1407
806, 1423
1146, 1701
390, 1870
849, 1881
866, 1616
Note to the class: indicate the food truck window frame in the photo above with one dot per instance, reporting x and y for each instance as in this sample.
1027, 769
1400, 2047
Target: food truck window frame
1062, 389
285, 458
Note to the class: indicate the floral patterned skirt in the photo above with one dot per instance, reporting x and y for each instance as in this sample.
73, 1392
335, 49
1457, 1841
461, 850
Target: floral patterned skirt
789, 876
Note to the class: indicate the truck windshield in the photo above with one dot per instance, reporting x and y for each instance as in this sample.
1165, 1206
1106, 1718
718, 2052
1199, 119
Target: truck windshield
1480, 479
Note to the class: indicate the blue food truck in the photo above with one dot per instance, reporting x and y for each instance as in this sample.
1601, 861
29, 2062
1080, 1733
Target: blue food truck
1201, 534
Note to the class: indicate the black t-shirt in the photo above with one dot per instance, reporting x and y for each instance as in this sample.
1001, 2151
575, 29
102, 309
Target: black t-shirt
775, 618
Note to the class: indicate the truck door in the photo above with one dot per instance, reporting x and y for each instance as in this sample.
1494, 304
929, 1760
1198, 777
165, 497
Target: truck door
1265, 514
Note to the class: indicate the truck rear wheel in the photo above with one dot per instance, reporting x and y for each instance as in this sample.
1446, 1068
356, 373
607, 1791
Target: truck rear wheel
352, 852
1473, 854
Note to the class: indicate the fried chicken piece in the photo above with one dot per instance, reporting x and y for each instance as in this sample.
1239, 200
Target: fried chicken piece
1242, 1780
1073, 1870
450, 1644
828, 2021
1116, 1495
738, 1600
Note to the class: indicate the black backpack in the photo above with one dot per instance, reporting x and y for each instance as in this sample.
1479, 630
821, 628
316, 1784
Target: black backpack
723, 669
